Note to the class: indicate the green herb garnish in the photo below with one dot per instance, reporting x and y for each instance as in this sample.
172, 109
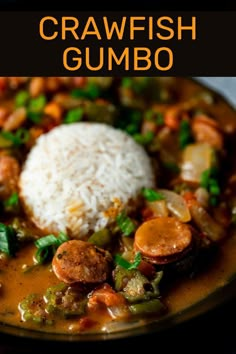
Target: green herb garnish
125, 224
126, 82
185, 135
91, 91
148, 115
151, 195
21, 98
13, 200
209, 178
8, 240
159, 119
21, 136
209, 181
12, 203
37, 104
35, 108
35, 117
47, 245
74, 115
144, 139
204, 178
132, 126
119, 260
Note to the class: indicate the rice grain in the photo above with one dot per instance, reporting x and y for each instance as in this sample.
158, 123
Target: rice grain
76, 172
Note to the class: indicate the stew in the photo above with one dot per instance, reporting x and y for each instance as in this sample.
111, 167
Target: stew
169, 243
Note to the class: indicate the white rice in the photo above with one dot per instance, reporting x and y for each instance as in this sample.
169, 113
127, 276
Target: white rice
79, 176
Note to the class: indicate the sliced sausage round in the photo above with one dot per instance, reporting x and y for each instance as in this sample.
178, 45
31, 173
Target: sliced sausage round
163, 239
77, 261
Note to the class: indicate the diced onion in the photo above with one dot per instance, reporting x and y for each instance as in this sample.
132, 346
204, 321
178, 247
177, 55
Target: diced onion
206, 223
158, 208
197, 158
176, 205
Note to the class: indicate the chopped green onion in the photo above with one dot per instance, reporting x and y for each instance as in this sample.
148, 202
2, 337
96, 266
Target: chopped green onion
20, 137
41, 255
159, 119
134, 121
209, 178
21, 98
126, 82
13, 200
214, 188
185, 136
10, 137
125, 224
204, 178
209, 181
119, 260
35, 108
91, 91
4, 142
148, 115
156, 117
35, 117
74, 115
62, 237
131, 120
8, 240
151, 195
46, 241
132, 128
47, 245
37, 104
144, 139
137, 86
51, 240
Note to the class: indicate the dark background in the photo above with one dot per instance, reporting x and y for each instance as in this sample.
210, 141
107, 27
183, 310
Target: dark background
119, 5
25, 52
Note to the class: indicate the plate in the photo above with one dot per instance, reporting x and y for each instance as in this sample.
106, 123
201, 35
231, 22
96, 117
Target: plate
221, 296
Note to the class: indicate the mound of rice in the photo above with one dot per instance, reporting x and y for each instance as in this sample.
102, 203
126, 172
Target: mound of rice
79, 176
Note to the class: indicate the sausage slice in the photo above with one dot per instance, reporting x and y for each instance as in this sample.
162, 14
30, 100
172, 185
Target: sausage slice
80, 261
163, 239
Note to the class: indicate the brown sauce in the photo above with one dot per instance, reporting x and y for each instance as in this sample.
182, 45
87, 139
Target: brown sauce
19, 280
215, 277
18, 283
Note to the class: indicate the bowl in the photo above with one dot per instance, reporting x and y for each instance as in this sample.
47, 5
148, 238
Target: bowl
153, 328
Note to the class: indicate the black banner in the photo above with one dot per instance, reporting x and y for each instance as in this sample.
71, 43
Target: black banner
165, 43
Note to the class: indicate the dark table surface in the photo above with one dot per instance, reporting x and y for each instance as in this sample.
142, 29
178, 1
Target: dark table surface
211, 332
